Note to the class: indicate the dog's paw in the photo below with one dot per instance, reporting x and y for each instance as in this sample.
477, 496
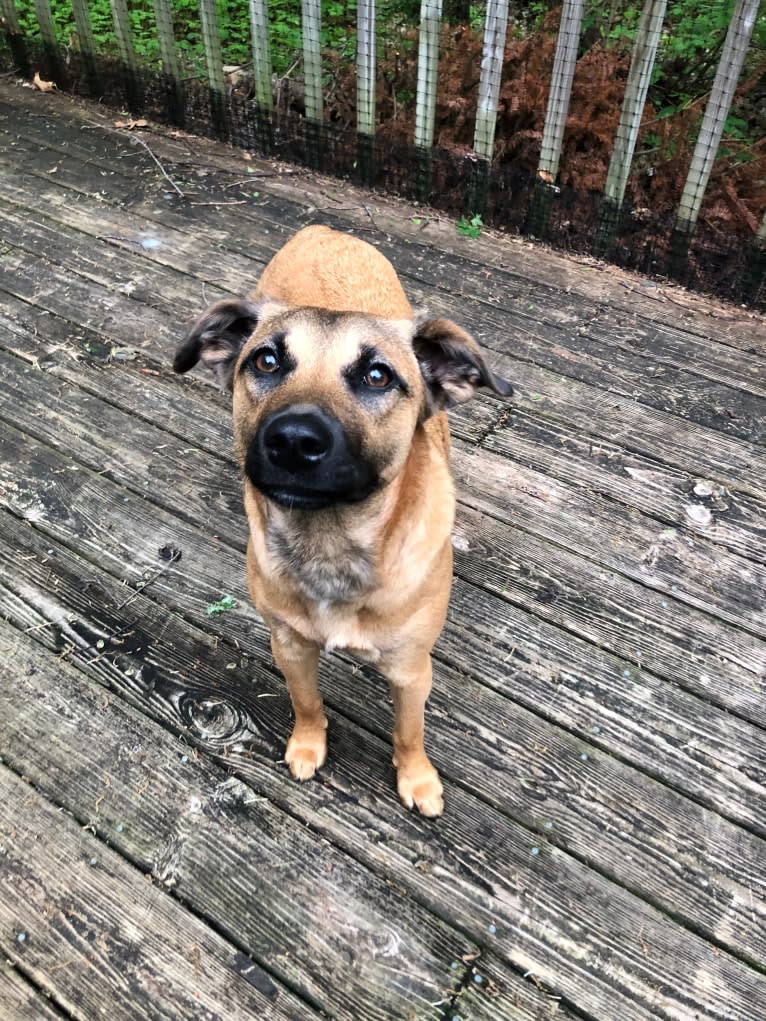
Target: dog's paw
421, 787
305, 753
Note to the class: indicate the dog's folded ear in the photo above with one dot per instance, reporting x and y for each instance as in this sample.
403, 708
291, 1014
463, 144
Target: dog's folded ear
217, 337
451, 362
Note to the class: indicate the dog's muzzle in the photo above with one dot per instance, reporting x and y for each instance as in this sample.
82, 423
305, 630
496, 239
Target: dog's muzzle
301, 457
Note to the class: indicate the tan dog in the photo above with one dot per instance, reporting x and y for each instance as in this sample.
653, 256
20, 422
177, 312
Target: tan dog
338, 422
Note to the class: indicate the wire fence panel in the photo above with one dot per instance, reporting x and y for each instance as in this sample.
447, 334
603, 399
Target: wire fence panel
87, 44
259, 33
484, 110
163, 17
556, 114
639, 76
15, 39
495, 31
124, 36
214, 62
711, 132
47, 29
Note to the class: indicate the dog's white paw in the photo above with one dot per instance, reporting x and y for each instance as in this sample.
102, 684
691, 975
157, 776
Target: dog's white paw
422, 788
305, 753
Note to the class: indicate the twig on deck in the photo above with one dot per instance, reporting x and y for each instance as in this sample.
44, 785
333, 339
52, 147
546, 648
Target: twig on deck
162, 169
144, 584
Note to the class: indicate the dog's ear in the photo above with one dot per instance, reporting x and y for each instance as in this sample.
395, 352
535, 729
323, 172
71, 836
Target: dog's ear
451, 362
217, 337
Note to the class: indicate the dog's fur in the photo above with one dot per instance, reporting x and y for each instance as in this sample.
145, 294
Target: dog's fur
338, 393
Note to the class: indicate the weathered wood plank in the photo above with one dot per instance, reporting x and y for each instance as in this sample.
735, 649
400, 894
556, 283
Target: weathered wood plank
725, 516
547, 669
239, 232
94, 934
599, 808
676, 564
337, 934
21, 1001
704, 453
118, 338
699, 504
572, 349
572, 342
475, 886
572, 314
531, 578
675, 642
179, 848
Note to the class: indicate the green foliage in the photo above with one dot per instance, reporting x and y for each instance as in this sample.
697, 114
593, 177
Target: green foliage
470, 228
221, 605
338, 29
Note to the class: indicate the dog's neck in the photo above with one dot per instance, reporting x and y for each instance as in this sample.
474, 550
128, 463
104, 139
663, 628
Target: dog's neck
327, 553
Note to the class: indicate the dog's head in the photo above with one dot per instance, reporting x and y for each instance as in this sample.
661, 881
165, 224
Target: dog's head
326, 403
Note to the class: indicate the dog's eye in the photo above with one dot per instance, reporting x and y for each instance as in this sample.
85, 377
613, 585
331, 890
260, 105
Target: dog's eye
266, 360
378, 376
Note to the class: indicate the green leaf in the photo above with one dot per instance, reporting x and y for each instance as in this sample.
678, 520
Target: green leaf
221, 605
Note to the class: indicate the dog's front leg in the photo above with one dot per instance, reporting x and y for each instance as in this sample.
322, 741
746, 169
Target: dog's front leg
417, 781
298, 660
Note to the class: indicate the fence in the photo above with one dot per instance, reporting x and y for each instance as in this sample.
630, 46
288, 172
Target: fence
548, 129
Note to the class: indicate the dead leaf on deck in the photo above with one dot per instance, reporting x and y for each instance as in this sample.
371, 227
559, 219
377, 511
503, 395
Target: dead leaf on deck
130, 124
43, 86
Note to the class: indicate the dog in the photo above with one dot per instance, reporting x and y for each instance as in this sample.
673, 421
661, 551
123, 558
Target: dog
339, 393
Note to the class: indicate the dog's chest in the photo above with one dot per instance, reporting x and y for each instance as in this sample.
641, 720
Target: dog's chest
338, 628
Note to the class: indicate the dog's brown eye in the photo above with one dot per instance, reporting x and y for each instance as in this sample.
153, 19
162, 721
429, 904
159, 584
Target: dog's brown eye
378, 377
266, 361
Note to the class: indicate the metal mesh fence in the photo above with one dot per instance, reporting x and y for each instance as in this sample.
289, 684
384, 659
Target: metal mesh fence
636, 88
464, 107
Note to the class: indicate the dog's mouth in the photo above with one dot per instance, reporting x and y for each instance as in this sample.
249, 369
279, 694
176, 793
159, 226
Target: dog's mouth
309, 499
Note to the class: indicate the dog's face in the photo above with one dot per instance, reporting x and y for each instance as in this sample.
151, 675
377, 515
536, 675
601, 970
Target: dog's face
326, 403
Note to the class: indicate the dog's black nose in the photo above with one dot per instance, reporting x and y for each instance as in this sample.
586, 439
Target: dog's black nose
297, 440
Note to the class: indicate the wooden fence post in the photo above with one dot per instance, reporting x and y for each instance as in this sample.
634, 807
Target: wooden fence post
16, 41
639, 76
50, 43
716, 112
425, 99
365, 88
214, 62
264, 101
555, 116
163, 17
311, 28
124, 35
87, 44
495, 30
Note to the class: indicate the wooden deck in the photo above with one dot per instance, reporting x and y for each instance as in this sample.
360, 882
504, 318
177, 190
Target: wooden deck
599, 711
